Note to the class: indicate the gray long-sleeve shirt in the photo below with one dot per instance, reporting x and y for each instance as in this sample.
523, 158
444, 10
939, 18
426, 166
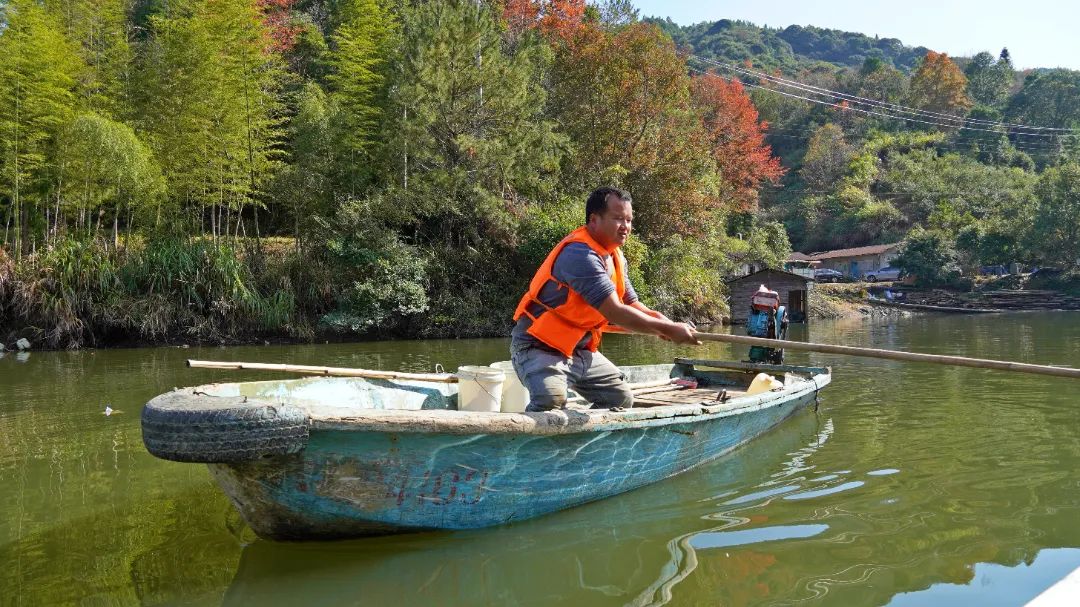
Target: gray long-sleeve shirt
586, 272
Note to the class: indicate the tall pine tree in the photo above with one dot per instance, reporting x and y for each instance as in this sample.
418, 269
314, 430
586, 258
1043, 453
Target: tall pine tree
468, 133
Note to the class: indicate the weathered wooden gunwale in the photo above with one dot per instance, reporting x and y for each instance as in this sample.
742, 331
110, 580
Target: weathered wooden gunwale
553, 422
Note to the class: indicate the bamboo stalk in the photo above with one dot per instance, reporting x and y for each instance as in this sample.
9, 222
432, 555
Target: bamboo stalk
958, 361
328, 371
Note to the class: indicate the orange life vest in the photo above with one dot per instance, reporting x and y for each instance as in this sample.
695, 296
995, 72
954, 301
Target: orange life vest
563, 326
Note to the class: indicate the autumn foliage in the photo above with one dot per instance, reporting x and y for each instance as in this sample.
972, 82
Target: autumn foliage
557, 19
939, 85
736, 137
277, 15
689, 149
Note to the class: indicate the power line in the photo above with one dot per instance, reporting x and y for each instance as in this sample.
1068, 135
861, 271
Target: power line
871, 112
1045, 147
1027, 146
877, 103
891, 107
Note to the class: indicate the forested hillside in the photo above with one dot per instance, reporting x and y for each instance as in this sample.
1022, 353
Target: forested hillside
968, 161
220, 169
230, 169
789, 48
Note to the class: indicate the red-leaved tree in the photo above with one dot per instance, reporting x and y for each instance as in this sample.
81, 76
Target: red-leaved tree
736, 138
277, 15
557, 19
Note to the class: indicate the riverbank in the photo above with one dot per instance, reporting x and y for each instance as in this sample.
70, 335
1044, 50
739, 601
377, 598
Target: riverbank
835, 301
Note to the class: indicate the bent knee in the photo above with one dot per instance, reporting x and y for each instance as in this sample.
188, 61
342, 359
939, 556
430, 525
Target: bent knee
617, 396
546, 402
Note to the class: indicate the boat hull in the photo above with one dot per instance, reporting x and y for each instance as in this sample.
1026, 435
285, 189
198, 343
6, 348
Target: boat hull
356, 482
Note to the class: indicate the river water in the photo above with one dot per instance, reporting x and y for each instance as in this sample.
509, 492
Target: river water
912, 484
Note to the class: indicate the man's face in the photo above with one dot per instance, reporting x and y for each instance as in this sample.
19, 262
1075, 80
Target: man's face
612, 227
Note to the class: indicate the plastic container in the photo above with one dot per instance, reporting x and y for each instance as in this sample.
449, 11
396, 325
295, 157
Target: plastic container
515, 396
479, 388
763, 382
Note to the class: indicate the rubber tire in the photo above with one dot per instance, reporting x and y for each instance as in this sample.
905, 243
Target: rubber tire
189, 426
871, 278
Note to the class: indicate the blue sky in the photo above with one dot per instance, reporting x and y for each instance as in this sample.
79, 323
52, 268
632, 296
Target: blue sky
1038, 33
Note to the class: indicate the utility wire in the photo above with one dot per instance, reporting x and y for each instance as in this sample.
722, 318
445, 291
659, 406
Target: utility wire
1027, 146
886, 105
1047, 147
871, 112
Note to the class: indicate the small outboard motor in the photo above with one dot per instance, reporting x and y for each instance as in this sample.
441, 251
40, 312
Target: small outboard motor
767, 319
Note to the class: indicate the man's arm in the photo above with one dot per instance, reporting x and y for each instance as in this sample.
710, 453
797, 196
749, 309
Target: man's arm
646, 309
635, 319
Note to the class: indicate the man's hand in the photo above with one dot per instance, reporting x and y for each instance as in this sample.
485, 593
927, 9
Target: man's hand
681, 333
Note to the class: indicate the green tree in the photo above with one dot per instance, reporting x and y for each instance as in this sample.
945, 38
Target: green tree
37, 79
306, 185
929, 255
466, 124
103, 167
100, 30
989, 80
1048, 98
1056, 229
360, 59
208, 99
879, 80
827, 157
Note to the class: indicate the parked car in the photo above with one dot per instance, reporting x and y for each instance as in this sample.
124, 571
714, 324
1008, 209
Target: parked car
828, 275
886, 273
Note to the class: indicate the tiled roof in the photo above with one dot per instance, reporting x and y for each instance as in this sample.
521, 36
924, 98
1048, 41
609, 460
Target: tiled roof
876, 249
772, 270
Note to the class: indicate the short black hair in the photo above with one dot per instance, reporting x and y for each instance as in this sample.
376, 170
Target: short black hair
597, 201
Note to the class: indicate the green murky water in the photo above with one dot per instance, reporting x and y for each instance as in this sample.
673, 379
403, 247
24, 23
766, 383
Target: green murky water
912, 485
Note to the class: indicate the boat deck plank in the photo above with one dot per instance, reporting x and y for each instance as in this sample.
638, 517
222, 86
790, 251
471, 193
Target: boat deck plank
682, 396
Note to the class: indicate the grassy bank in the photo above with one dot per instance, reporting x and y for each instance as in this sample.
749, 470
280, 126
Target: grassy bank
90, 293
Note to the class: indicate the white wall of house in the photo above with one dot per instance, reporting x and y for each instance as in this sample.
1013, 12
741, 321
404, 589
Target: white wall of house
857, 266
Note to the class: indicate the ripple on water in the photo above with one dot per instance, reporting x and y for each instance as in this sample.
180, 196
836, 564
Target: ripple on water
826, 491
722, 539
882, 472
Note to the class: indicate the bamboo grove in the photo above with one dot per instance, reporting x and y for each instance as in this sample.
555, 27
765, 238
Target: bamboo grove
232, 169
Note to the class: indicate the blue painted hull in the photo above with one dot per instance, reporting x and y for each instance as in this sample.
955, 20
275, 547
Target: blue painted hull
355, 482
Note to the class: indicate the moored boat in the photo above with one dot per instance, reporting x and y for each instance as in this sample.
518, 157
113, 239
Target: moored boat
321, 458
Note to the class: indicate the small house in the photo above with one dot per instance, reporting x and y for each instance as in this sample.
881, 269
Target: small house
793, 289
858, 261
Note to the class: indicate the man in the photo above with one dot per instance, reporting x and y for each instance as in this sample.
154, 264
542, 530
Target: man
579, 290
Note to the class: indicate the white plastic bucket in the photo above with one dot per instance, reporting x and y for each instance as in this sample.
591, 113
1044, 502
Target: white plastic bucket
479, 388
515, 396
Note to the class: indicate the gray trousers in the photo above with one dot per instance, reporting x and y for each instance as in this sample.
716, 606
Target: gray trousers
547, 374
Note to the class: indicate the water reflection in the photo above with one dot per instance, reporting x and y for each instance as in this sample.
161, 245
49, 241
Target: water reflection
966, 487
607, 553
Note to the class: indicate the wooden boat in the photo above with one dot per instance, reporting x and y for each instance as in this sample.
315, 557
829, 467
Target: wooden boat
321, 458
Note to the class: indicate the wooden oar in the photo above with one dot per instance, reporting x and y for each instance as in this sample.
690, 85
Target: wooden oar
958, 361
332, 371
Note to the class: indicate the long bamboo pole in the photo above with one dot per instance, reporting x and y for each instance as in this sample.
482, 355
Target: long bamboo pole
330, 371
958, 361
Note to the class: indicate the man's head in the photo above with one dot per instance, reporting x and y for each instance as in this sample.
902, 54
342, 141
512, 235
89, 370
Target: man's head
608, 216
